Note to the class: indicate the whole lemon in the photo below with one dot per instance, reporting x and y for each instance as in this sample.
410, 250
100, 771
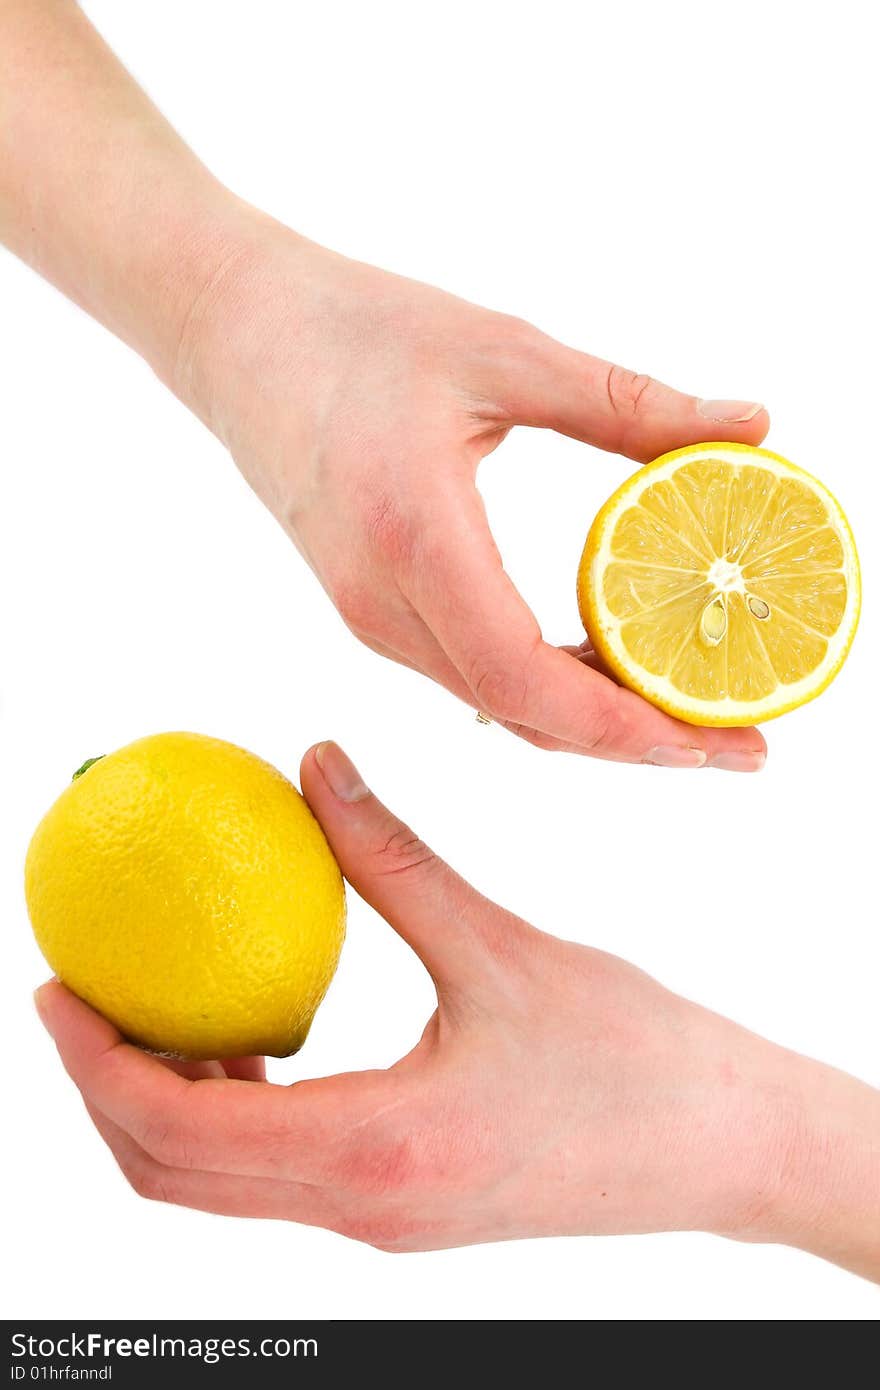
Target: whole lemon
183, 888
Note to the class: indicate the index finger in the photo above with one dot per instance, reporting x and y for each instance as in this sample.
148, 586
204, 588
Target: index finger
296, 1132
457, 583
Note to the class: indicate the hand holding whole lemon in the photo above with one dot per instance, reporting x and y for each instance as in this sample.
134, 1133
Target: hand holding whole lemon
183, 888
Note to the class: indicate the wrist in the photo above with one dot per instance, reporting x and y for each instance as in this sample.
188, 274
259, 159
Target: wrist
219, 244
819, 1188
245, 291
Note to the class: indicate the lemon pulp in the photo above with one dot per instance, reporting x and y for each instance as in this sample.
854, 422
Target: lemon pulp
721, 582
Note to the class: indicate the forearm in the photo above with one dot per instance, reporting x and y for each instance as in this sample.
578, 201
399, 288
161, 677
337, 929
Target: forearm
829, 1196
97, 192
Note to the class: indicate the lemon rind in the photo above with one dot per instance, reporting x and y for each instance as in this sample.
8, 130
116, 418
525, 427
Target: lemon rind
604, 628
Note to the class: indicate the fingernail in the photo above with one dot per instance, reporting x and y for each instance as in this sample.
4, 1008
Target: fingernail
340, 773
738, 762
676, 757
728, 412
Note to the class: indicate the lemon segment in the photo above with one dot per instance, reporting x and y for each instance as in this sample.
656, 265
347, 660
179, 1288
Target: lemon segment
722, 583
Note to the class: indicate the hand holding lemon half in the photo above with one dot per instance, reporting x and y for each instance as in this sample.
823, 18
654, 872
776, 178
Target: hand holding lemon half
183, 888
721, 582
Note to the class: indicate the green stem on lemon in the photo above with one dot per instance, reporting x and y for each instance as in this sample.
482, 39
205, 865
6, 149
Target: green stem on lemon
86, 765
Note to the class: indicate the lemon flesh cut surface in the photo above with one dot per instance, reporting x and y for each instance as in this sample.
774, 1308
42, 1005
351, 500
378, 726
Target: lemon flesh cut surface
183, 888
722, 583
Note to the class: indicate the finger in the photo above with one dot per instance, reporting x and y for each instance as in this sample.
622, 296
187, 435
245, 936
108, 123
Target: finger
457, 583
409, 643
237, 1068
299, 1132
245, 1068
546, 742
447, 923
558, 388
431, 660
192, 1071
224, 1194
585, 655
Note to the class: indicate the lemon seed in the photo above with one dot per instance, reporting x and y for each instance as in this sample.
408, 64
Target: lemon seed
713, 623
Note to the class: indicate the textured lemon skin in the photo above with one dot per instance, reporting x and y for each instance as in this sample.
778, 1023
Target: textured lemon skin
183, 888
589, 582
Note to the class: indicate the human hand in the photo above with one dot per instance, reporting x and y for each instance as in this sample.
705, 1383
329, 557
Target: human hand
359, 405
555, 1090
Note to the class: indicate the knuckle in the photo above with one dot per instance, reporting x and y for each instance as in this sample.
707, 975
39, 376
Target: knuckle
356, 606
384, 1160
394, 1238
150, 1182
403, 853
389, 1231
530, 735
497, 335
168, 1144
626, 389
520, 333
603, 730
498, 690
387, 529
607, 724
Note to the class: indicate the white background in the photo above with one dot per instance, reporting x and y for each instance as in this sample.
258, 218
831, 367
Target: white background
686, 188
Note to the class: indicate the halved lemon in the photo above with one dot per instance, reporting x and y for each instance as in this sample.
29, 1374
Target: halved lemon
722, 583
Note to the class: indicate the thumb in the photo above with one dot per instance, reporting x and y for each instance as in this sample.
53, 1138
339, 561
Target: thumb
445, 921
558, 388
